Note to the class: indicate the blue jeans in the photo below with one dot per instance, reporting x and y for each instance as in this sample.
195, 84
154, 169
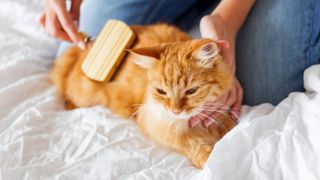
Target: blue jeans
95, 13
278, 41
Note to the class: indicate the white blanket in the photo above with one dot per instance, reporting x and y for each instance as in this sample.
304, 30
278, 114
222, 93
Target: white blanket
41, 140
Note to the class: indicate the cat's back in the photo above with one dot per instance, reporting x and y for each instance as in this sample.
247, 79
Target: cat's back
147, 36
156, 34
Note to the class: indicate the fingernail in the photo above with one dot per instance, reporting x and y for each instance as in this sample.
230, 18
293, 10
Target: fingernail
81, 45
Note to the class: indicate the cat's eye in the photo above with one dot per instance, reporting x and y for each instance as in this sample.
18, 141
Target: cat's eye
192, 90
161, 91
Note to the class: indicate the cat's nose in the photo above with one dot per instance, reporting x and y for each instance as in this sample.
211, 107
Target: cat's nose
176, 112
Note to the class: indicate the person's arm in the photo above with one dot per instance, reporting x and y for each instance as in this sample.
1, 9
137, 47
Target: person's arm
233, 12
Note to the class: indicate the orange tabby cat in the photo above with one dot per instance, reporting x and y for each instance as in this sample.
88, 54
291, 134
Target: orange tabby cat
166, 79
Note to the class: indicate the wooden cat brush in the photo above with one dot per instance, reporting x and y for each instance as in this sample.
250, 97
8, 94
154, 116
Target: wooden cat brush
108, 50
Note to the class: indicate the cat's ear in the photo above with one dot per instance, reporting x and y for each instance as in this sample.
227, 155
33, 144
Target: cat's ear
146, 57
206, 52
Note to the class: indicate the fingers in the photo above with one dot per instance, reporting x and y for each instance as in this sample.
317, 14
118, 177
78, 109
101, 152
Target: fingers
193, 121
53, 27
211, 118
66, 23
212, 112
58, 22
232, 99
61, 35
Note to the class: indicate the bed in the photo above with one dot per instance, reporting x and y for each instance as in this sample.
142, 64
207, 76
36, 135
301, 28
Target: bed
39, 139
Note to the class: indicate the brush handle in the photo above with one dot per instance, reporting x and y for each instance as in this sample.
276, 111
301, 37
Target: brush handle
108, 51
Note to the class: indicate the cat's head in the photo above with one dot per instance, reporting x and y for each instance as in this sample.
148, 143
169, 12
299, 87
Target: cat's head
184, 75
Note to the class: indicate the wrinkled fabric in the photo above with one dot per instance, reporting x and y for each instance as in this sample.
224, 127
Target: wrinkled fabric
39, 139
279, 142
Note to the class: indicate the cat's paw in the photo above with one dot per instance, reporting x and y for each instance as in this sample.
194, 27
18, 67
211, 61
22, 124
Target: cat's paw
200, 159
69, 105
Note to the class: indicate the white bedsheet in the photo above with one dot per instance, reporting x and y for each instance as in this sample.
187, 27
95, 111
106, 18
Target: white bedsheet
40, 140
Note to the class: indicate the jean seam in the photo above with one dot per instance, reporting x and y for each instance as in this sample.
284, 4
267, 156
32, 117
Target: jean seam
144, 14
154, 7
309, 39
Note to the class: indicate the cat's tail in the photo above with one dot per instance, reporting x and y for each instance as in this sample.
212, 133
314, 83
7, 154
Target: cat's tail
63, 66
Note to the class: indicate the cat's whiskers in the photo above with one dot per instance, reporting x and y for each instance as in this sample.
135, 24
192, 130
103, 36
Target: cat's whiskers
216, 103
216, 108
221, 108
219, 104
209, 104
149, 107
139, 108
223, 113
224, 107
212, 119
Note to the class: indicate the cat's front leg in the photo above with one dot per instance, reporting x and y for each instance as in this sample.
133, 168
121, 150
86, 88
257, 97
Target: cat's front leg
198, 147
201, 155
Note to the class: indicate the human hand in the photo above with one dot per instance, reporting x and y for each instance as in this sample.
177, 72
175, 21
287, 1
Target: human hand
214, 27
61, 24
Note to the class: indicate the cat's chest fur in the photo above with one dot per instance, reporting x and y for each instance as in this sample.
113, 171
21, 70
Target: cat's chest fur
156, 122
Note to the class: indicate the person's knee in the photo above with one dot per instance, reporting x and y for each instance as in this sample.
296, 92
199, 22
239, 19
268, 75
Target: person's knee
271, 50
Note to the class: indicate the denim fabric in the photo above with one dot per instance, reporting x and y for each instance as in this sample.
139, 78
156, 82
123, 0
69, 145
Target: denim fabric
95, 13
278, 41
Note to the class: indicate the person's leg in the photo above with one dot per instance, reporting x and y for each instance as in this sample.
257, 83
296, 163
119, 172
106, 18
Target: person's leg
279, 40
95, 13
